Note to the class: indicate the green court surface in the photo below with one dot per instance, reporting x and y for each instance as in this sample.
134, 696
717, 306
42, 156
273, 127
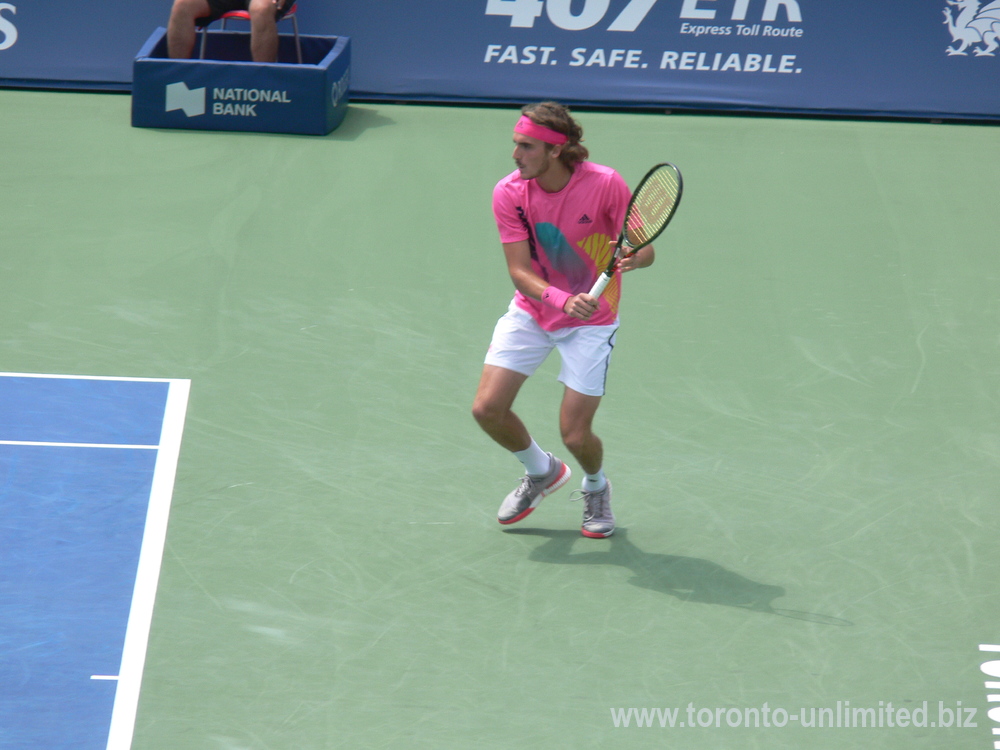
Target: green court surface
802, 428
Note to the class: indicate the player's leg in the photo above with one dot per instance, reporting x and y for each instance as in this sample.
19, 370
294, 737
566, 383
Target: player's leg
518, 347
263, 31
586, 355
576, 419
493, 407
493, 410
181, 32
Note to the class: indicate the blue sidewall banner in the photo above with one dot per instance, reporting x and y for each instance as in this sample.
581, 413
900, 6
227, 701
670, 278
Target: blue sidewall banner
932, 58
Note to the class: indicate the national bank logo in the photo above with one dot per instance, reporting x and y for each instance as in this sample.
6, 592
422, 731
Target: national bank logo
971, 23
191, 101
225, 101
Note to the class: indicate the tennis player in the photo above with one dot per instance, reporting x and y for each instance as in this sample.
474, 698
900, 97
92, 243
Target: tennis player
558, 216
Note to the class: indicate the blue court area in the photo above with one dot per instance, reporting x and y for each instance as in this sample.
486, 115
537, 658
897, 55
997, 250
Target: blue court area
77, 464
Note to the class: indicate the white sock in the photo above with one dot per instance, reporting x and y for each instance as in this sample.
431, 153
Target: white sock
536, 461
595, 482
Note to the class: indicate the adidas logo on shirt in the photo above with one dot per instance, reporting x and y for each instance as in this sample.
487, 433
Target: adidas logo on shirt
585, 220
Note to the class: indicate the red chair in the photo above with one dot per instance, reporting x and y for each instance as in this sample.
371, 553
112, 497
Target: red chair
243, 15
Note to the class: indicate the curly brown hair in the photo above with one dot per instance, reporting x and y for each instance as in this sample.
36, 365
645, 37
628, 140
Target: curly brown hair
557, 117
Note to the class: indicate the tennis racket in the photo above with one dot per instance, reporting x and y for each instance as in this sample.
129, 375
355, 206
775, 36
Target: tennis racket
652, 206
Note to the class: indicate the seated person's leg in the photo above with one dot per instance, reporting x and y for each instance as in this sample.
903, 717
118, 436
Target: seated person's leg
181, 27
263, 30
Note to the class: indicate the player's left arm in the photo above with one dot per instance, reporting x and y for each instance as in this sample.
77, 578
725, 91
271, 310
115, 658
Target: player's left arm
643, 258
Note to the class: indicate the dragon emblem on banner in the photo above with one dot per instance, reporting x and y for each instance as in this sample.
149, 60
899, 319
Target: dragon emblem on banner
976, 24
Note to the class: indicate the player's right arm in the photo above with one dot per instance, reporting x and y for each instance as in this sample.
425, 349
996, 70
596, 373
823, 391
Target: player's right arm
530, 284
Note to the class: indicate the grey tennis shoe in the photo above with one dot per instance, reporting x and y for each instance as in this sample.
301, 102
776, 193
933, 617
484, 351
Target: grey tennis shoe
519, 503
598, 520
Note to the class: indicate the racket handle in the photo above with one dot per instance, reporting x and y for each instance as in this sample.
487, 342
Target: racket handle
602, 281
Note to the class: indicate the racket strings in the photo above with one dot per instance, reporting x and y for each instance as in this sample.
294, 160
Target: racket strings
653, 205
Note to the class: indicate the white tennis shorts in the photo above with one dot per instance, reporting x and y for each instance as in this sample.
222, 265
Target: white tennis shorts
521, 345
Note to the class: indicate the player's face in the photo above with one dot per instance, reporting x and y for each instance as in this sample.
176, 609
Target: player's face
532, 156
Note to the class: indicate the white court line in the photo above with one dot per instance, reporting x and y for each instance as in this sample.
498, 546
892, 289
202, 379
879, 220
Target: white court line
148, 573
80, 377
78, 445
104, 677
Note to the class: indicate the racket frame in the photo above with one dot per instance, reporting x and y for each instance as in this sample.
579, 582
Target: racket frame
605, 278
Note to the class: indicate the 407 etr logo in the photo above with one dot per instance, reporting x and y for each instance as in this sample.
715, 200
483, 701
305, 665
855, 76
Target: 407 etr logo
524, 13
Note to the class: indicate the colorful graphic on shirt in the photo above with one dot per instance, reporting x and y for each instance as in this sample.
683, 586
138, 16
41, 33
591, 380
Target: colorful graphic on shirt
598, 248
562, 257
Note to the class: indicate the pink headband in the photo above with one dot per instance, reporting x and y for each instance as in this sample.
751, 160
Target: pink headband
526, 126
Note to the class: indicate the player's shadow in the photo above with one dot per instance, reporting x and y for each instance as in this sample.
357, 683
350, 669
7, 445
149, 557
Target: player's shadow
687, 578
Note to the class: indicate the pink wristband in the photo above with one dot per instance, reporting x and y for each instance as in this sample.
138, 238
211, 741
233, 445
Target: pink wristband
555, 297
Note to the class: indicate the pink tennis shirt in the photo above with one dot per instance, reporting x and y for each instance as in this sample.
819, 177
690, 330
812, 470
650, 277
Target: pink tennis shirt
569, 234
